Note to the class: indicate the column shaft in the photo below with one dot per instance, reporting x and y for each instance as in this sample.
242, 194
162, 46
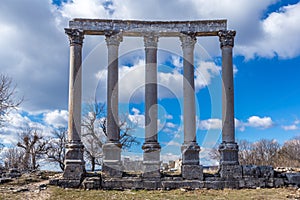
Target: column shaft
189, 108
151, 95
74, 163
113, 132
112, 148
151, 157
228, 148
190, 149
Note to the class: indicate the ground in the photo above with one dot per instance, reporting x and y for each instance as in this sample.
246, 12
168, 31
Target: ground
35, 187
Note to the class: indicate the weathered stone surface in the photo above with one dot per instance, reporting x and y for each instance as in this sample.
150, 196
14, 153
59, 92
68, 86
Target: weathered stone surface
217, 185
231, 171
151, 185
139, 28
192, 172
66, 183
189, 184
74, 170
229, 150
293, 178
266, 171
278, 182
251, 171
92, 183
122, 183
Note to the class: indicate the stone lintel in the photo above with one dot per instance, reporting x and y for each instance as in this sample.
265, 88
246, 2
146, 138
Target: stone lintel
139, 28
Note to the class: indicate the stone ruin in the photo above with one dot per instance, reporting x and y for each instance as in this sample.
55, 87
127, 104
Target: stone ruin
230, 174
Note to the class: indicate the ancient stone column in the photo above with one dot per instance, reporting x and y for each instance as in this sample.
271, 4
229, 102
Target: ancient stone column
191, 168
112, 148
151, 157
228, 148
74, 163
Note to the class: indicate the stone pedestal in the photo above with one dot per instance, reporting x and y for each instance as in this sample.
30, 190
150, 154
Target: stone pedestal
229, 164
112, 165
229, 153
190, 168
151, 160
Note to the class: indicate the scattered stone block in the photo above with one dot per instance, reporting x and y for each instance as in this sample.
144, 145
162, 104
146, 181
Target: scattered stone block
293, 178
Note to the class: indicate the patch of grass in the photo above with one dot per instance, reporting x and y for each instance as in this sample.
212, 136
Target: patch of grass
279, 193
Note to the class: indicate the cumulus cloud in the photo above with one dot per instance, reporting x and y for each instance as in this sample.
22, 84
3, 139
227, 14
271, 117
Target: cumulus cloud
17, 122
34, 53
279, 35
137, 117
290, 127
56, 118
253, 121
210, 124
260, 122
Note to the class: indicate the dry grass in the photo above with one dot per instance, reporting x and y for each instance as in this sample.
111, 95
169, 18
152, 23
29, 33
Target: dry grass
281, 193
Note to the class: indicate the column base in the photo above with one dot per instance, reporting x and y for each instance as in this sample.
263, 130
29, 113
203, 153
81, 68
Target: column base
190, 153
151, 160
229, 162
190, 168
112, 165
229, 153
74, 163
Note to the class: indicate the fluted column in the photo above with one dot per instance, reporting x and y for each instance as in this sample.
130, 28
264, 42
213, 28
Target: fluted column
190, 149
74, 163
112, 148
228, 148
151, 157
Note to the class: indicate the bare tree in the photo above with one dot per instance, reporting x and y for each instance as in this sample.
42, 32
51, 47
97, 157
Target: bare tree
55, 150
93, 135
8, 99
13, 158
34, 148
214, 153
265, 152
246, 156
289, 154
94, 132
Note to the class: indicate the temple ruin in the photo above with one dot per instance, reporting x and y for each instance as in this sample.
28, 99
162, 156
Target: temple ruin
112, 177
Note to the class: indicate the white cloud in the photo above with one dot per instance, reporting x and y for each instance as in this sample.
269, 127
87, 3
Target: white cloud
167, 116
137, 117
260, 122
253, 121
280, 35
170, 125
173, 143
84, 9
290, 127
16, 122
56, 118
210, 124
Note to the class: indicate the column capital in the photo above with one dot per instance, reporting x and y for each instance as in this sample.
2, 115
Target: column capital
76, 36
226, 38
150, 40
188, 40
113, 39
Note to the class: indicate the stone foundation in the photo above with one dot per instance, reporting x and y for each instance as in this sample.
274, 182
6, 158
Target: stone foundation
251, 177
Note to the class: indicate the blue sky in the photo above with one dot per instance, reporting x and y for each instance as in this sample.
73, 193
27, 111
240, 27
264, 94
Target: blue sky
34, 52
